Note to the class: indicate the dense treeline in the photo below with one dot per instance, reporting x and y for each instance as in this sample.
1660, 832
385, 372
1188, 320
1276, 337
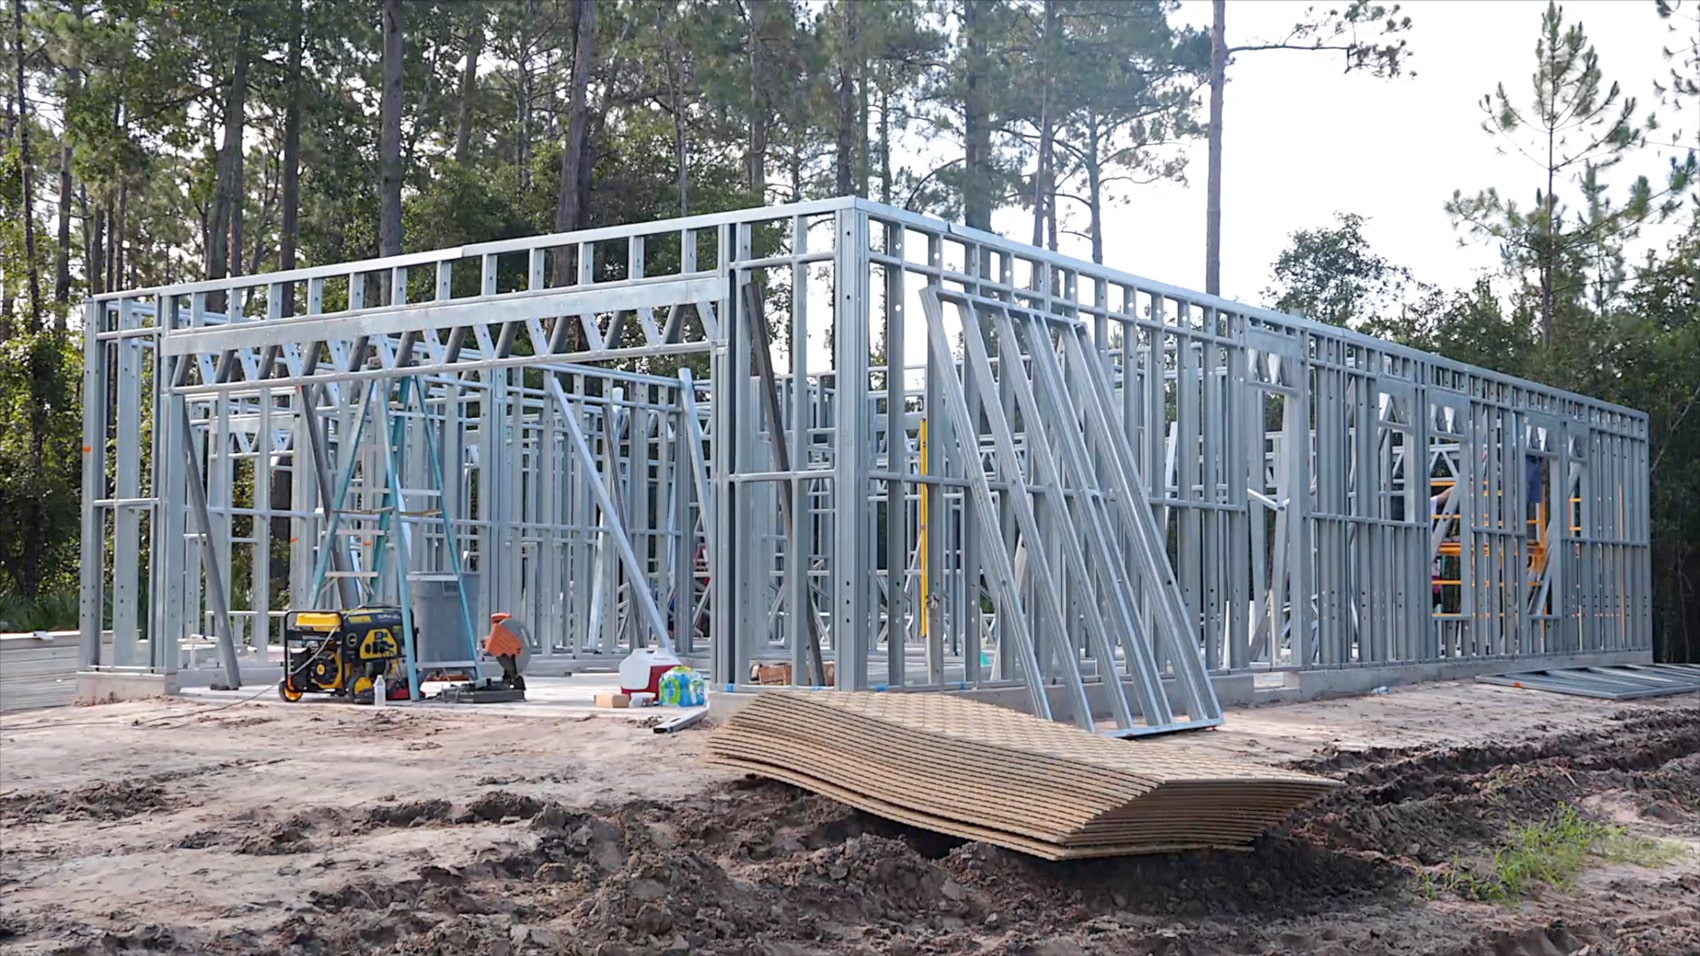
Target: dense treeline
153, 142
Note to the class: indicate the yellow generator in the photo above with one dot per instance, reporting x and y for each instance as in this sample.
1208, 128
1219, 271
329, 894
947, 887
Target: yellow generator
342, 653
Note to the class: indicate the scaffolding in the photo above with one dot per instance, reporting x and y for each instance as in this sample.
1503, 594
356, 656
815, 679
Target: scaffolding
837, 432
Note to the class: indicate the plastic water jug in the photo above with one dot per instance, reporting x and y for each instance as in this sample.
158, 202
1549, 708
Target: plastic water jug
640, 672
378, 691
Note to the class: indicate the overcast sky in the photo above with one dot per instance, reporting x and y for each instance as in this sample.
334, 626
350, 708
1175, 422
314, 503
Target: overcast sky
1303, 141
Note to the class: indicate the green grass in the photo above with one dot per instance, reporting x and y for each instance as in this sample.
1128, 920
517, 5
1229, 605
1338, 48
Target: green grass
1550, 853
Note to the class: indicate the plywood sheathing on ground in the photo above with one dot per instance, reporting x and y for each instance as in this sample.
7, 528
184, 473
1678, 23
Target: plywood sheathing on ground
983, 772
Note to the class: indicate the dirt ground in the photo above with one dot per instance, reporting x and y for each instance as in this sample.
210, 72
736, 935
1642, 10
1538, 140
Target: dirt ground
171, 827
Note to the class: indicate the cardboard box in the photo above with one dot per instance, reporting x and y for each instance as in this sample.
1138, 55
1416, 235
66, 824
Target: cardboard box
780, 674
614, 700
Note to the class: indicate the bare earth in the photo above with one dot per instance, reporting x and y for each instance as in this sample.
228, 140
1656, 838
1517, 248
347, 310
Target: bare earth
172, 827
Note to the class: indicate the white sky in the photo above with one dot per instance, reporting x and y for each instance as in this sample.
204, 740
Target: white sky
1302, 141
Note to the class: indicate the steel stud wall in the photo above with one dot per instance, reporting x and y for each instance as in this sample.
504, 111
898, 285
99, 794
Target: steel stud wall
585, 431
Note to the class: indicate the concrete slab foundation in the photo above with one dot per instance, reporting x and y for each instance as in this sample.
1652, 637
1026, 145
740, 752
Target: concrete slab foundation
1267, 687
105, 687
1361, 680
1232, 690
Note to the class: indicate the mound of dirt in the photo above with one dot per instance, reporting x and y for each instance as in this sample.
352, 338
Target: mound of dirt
289, 836
498, 805
412, 813
101, 801
1428, 805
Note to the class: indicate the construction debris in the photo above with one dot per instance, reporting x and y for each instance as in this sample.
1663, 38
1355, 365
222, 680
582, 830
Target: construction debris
986, 773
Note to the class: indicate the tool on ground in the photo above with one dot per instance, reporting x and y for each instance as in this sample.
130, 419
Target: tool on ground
507, 644
342, 653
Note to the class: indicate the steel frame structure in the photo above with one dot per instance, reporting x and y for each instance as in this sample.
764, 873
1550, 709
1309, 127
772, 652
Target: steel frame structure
965, 463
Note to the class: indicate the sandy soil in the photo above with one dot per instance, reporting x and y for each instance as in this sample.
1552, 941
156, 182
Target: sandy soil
172, 827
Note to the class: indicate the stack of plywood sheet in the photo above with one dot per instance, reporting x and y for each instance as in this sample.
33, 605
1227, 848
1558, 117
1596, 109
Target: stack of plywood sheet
986, 773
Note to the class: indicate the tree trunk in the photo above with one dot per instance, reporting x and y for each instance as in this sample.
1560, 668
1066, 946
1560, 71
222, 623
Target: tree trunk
96, 249
6, 286
755, 161
1051, 212
289, 232
219, 218
40, 371
570, 207
238, 204
1042, 176
389, 134
1095, 190
864, 162
27, 197
113, 228
681, 142
62, 254
1213, 187
469, 88
885, 147
976, 128
522, 144
120, 234
1549, 254
845, 101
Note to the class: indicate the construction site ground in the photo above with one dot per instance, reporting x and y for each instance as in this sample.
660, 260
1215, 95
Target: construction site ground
193, 826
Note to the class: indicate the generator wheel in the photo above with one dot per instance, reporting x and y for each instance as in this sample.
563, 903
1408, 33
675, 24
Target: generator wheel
288, 691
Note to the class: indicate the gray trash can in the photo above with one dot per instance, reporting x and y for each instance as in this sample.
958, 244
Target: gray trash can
443, 634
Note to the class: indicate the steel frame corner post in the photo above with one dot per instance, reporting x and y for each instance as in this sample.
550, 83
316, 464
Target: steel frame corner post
804, 637
728, 642
168, 567
852, 545
91, 612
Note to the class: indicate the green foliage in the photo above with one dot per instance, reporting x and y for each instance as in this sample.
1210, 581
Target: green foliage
1682, 87
1574, 127
40, 424
1332, 275
54, 611
1550, 853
